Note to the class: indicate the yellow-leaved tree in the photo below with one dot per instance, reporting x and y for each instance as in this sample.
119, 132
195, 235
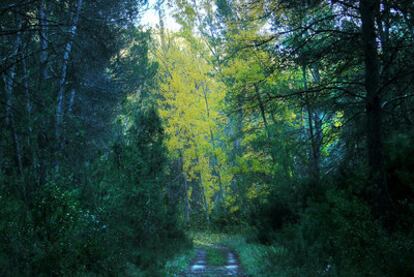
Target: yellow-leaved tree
190, 107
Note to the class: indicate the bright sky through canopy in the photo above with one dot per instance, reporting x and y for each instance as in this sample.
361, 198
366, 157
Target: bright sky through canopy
150, 17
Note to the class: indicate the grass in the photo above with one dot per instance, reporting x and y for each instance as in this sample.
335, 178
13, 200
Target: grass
254, 258
215, 256
179, 263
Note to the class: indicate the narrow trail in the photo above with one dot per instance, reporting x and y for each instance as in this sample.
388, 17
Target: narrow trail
200, 266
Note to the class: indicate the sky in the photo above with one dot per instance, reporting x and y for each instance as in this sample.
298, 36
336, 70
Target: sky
150, 17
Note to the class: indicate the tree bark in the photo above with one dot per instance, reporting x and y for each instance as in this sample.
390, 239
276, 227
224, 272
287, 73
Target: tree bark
29, 110
43, 35
264, 118
314, 152
375, 149
318, 134
62, 81
71, 100
216, 170
9, 79
186, 200
262, 110
40, 163
184, 190
206, 206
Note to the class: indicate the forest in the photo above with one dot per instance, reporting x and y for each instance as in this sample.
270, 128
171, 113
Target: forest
223, 138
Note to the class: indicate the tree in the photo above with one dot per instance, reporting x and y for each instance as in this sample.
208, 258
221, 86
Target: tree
190, 109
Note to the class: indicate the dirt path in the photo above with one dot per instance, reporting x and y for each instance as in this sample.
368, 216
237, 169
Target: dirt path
200, 266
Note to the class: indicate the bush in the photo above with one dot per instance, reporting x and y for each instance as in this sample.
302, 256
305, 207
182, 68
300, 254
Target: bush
51, 236
338, 236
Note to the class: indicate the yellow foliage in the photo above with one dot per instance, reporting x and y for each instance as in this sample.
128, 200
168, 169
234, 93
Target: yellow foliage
190, 105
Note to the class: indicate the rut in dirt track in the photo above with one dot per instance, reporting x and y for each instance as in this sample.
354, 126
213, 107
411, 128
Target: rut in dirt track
200, 267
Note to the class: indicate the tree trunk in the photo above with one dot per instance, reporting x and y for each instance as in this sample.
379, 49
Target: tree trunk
62, 82
71, 100
262, 110
9, 79
216, 170
314, 156
368, 9
186, 201
264, 118
43, 35
185, 188
29, 110
39, 163
26, 84
318, 134
206, 206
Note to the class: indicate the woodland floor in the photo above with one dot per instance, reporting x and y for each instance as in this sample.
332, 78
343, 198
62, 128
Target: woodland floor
215, 260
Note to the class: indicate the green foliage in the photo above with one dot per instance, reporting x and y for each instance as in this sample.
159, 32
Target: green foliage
142, 228
216, 257
54, 236
88, 198
179, 263
254, 257
399, 164
337, 235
